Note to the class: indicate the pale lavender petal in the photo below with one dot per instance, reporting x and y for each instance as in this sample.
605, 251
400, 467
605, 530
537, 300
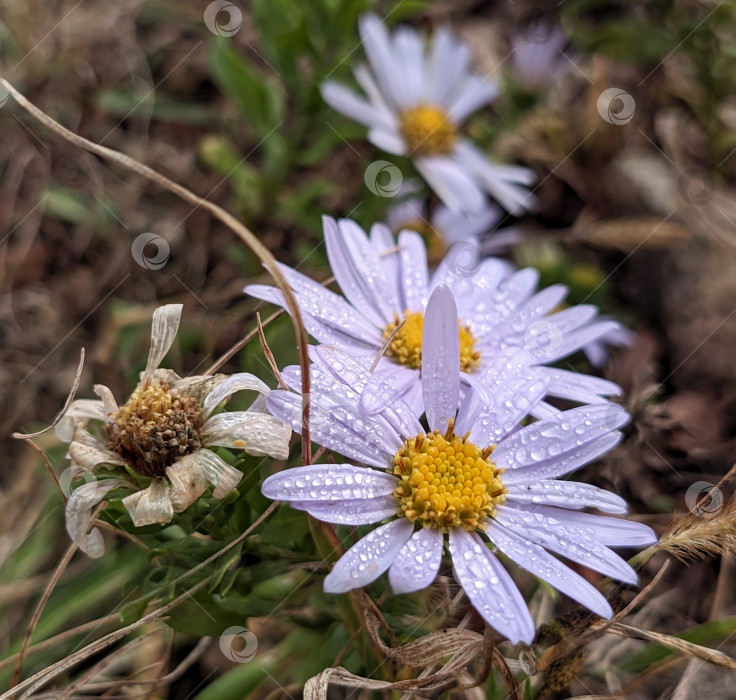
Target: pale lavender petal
534, 559
532, 310
355, 511
409, 53
242, 381
555, 446
451, 183
565, 494
366, 560
440, 359
417, 563
166, 320
571, 541
456, 227
329, 482
338, 429
576, 386
414, 272
576, 340
612, 532
449, 60
79, 515
489, 587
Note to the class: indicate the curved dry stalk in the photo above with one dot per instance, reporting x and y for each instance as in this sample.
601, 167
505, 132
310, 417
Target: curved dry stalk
242, 231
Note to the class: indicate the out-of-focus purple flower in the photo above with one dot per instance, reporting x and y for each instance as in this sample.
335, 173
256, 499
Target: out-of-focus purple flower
537, 56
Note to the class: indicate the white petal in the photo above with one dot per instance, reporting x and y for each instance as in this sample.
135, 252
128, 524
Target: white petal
414, 273
409, 52
383, 241
391, 142
356, 511
79, 514
166, 320
328, 482
565, 494
377, 99
377, 45
351, 104
90, 456
366, 560
456, 227
473, 94
578, 387
451, 183
150, 505
188, 483
79, 410
418, 562
556, 534
489, 587
440, 359
237, 382
534, 559
449, 61
259, 434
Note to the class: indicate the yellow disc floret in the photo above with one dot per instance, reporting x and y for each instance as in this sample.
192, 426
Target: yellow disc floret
446, 481
155, 428
427, 130
405, 344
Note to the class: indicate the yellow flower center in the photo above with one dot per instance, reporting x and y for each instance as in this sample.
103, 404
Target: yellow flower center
406, 344
427, 130
446, 481
155, 428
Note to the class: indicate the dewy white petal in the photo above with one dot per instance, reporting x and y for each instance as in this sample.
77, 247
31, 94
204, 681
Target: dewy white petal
150, 505
489, 587
79, 410
565, 494
612, 532
237, 382
213, 468
440, 359
166, 320
357, 511
188, 482
79, 514
328, 482
366, 560
418, 561
259, 434
533, 558
414, 274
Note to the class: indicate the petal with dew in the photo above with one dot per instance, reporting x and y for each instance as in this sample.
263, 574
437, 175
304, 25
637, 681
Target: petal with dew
166, 320
216, 471
356, 511
188, 483
368, 558
150, 505
418, 562
259, 434
536, 560
489, 587
242, 381
328, 482
414, 271
440, 359
565, 494
79, 514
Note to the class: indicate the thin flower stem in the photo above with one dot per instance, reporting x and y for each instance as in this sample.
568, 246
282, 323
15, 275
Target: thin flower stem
242, 231
269, 355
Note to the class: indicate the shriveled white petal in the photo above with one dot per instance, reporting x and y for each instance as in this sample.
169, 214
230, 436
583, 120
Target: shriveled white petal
356, 511
328, 482
79, 514
366, 560
150, 505
216, 470
188, 482
242, 381
489, 587
418, 561
90, 456
79, 410
533, 558
259, 434
166, 320
565, 494
440, 359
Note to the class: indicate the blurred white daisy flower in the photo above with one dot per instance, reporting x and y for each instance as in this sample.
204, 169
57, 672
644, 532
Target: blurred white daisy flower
470, 481
386, 289
537, 55
415, 99
446, 228
164, 433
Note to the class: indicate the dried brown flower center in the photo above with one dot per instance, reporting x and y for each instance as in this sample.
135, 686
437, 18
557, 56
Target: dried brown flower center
446, 481
155, 428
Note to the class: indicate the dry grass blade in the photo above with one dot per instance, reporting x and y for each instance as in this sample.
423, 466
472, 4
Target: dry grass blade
269, 355
711, 655
695, 537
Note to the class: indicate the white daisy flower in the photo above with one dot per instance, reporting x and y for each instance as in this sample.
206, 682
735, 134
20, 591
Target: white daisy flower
165, 432
446, 228
415, 99
496, 483
386, 290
